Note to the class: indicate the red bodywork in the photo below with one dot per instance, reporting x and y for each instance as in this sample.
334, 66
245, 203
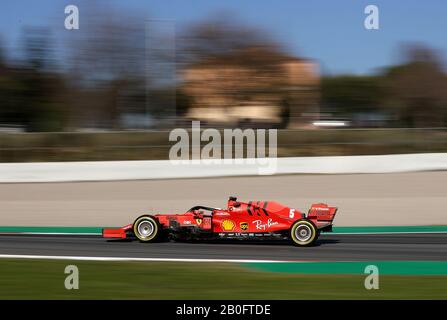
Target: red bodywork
253, 217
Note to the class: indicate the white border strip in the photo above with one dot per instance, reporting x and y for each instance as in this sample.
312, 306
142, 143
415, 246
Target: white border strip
165, 169
86, 258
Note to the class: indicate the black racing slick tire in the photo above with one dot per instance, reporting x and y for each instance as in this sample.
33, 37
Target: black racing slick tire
147, 229
303, 233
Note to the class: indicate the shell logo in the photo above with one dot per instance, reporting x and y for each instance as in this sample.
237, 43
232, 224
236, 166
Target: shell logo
227, 225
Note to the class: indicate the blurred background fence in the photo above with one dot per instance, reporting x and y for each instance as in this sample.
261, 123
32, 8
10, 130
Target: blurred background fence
155, 145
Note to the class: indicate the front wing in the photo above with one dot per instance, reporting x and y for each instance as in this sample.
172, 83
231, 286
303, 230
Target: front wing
117, 233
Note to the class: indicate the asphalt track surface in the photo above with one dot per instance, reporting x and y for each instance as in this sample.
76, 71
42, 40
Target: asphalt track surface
330, 247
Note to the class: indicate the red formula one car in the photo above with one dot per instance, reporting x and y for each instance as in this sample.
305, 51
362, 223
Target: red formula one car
240, 220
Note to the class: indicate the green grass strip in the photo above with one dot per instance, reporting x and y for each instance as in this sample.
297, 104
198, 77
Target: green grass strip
356, 268
44, 279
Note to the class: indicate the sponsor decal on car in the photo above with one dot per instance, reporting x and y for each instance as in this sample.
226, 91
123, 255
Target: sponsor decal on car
227, 225
244, 225
206, 223
199, 221
221, 214
260, 225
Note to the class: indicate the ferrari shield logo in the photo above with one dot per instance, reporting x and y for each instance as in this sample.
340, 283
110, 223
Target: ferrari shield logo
199, 221
244, 226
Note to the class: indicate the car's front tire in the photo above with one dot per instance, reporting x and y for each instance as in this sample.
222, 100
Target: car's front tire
303, 233
147, 229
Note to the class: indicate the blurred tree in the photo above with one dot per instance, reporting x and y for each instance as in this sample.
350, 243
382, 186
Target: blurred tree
414, 90
2, 56
41, 86
347, 94
417, 88
108, 66
182, 103
38, 48
9, 115
222, 41
219, 35
30, 92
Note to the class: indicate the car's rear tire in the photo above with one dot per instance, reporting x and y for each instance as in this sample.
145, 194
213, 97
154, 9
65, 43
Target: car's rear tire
303, 233
147, 229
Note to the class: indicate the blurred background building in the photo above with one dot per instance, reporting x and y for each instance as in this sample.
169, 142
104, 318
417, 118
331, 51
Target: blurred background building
252, 87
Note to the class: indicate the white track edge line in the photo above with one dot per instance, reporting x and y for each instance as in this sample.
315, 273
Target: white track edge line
86, 258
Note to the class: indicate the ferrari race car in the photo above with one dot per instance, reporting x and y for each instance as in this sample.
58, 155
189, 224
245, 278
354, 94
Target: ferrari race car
240, 220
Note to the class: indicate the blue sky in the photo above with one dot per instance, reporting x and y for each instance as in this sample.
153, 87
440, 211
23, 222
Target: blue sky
329, 31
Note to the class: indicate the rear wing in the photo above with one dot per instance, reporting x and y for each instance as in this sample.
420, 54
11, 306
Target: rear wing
322, 216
